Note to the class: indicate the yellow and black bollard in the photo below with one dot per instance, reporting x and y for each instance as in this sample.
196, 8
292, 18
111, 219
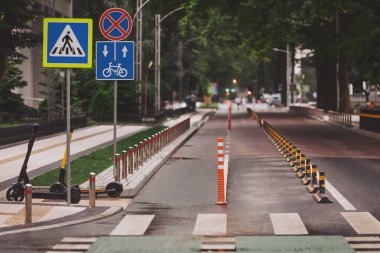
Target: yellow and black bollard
320, 196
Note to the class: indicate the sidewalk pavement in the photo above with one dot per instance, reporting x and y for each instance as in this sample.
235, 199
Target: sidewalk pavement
48, 152
49, 214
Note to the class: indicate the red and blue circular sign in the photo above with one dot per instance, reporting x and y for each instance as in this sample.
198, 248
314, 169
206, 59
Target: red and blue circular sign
115, 24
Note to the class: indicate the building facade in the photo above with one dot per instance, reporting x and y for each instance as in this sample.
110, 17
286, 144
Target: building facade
32, 66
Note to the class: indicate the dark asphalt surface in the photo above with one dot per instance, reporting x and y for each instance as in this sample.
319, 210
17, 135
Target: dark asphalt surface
351, 162
260, 183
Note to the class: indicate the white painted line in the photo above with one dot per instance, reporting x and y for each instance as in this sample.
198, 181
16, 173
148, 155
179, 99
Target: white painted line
80, 239
362, 222
72, 246
61, 211
366, 246
133, 225
226, 161
211, 224
339, 197
59, 251
363, 239
288, 224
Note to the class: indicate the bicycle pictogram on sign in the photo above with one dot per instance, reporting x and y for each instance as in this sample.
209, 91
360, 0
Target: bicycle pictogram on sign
115, 24
116, 69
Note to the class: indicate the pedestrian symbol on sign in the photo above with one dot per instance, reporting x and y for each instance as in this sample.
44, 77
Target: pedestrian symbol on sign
67, 45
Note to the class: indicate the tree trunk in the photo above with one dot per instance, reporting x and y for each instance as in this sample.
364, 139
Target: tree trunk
344, 95
3, 64
326, 84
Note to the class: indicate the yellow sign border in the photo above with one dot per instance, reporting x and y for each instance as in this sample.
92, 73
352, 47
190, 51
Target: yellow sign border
45, 39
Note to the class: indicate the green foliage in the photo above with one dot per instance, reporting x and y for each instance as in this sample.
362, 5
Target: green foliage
101, 107
14, 29
96, 162
11, 104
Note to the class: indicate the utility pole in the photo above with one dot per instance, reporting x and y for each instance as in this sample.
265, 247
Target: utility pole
157, 62
139, 26
157, 58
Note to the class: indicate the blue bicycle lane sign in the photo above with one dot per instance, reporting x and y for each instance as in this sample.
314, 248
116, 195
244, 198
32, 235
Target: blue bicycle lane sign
115, 60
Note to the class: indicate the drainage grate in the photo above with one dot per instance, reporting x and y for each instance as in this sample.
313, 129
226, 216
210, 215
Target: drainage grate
182, 158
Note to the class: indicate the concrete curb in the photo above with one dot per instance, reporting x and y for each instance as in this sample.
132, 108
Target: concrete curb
109, 212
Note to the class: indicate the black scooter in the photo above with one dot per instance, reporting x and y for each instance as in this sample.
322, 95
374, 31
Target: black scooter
113, 189
16, 191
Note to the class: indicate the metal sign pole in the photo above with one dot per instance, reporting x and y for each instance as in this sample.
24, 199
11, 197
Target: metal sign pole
114, 120
68, 139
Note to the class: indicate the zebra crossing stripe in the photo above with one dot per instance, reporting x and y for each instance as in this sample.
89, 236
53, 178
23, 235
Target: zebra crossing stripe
79, 239
72, 246
133, 225
362, 222
210, 224
288, 224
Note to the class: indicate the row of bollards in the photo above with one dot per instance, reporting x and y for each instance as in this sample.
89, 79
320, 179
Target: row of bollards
134, 157
308, 173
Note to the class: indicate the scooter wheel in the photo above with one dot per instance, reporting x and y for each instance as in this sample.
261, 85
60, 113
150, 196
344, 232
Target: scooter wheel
75, 195
57, 188
15, 193
114, 189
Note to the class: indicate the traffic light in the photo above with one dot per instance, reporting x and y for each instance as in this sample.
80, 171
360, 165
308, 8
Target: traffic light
234, 81
227, 90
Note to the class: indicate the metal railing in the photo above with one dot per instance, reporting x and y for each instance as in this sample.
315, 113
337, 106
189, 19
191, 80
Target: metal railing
309, 112
133, 158
342, 119
18, 133
338, 118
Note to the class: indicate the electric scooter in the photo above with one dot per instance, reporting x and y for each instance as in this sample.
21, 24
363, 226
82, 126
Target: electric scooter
16, 191
113, 189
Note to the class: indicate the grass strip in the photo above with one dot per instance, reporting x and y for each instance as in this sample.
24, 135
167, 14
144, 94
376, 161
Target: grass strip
96, 161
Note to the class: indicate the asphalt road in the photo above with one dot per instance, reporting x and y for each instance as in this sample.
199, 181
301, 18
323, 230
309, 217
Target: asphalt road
260, 184
351, 162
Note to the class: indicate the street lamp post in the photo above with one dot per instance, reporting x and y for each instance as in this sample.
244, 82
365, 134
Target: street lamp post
288, 71
138, 69
146, 90
157, 57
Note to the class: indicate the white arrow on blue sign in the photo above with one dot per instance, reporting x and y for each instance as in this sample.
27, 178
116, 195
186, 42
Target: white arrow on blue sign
115, 60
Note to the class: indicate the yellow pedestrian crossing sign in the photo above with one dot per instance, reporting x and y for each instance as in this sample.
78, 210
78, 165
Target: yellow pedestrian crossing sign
67, 43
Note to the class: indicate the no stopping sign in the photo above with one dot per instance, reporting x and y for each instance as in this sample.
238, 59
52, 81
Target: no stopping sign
115, 24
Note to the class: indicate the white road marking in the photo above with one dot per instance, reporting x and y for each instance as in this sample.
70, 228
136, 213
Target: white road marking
339, 197
211, 224
362, 222
80, 239
72, 246
288, 224
366, 246
61, 211
363, 239
133, 225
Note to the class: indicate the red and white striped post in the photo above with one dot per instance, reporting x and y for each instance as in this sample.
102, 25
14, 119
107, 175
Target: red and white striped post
229, 117
221, 195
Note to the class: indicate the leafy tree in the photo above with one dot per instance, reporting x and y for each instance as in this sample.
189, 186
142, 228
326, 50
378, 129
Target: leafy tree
11, 104
101, 106
14, 29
